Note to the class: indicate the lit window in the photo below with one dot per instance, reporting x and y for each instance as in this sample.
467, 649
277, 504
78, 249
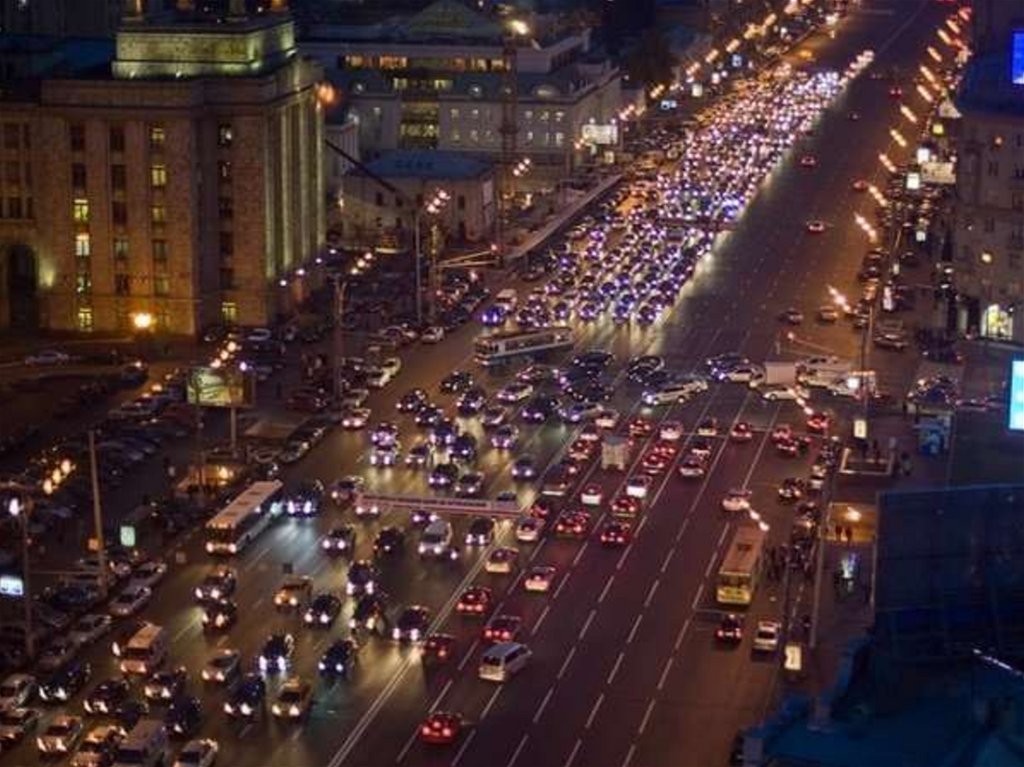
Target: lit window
158, 176
157, 137
120, 247
161, 285
83, 244
225, 135
529, 137
474, 136
159, 214
85, 319
454, 113
545, 115
559, 116
559, 138
160, 251
528, 115
229, 312
80, 210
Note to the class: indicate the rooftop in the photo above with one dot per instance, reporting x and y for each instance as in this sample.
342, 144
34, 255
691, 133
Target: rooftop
428, 165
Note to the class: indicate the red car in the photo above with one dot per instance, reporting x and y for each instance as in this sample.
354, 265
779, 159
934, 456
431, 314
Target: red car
665, 447
654, 463
581, 449
438, 648
541, 508
441, 728
781, 433
475, 600
626, 506
502, 628
741, 432
572, 524
730, 629
793, 446
818, 423
615, 533
640, 427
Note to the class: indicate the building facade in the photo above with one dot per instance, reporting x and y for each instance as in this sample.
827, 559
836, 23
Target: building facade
63, 18
182, 182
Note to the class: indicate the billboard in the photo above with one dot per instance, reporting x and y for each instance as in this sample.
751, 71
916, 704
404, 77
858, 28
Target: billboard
1016, 408
1017, 57
601, 134
220, 387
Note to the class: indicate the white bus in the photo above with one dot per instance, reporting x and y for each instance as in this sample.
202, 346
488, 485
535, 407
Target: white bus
248, 515
741, 567
495, 348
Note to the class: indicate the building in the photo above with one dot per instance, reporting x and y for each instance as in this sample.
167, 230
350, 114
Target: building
61, 18
442, 79
174, 186
988, 238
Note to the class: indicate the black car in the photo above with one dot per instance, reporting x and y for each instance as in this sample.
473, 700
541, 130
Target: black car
339, 658
246, 701
219, 616
412, 401
322, 611
306, 499
339, 540
165, 686
481, 531
539, 409
107, 696
390, 540
443, 475
463, 448
412, 624
369, 615
453, 383
130, 712
277, 653
593, 359
429, 416
219, 583
362, 578
471, 401
184, 716
64, 683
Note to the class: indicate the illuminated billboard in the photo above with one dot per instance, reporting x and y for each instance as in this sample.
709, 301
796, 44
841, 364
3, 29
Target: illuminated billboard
220, 387
1016, 409
605, 135
1017, 58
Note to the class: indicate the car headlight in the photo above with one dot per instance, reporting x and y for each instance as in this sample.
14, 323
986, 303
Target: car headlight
325, 618
246, 709
263, 663
199, 593
396, 633
414, 635
228, 708
294, 710
276, 709
282, 663
206, 675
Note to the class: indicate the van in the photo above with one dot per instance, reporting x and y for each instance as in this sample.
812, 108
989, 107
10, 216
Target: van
436, 539
507, 298
146, 650
500, 662
674, 391
145, 746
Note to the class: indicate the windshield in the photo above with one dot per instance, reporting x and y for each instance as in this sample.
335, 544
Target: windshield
137, 653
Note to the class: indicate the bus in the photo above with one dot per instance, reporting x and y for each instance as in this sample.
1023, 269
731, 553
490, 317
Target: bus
741, 567
248, 515
495, 348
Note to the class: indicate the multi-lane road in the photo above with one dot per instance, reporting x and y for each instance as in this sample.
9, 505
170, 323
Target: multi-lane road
625, 669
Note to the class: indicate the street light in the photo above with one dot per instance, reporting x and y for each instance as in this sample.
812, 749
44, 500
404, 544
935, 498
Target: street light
434, 206
19, 506
142, 321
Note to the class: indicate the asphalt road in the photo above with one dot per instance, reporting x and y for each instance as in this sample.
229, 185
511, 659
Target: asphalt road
625, 669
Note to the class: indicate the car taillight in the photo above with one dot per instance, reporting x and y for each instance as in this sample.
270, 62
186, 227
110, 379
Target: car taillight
425, 729
447, 732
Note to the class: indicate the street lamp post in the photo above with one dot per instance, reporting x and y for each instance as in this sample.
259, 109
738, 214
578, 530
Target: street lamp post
19, 508
340, 286
432, 207
97, 515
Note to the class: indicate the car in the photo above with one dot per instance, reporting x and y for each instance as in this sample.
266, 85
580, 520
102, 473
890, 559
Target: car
322, 611
64, 683
433, 334
541, 508
791, 489
223, 667
626, 505
781, 433
429, 416
539, 409
198, 753
131, 599
438, 648
808, 161
294, 700
422, 517
219, 616
384, 455
494, 416
730, 629
294, 592
670, 431
480, 532
581, 450
61, 736
57, 653
640, 428
791, 316
781, 393
107, 696
818, 423
412, 624
305, 499
502, 628
528, 529
276, 655
362, 578
339, 658
896, 92
515, 392
149, 573
693, 466
615, 533
505, 437
737, 499
592, 495
471, 402
501, 560
17, 690
418, 455
99, 747
606, 419
538, 579
815, 226
572, 524
355, 418
469, 484
339, 540
654, 462
475, 601
390, 540
184, 716
15, 723
891, 341
455, 382
218, 583
741, 432
463, 449
47, 357
443, 475
767, 636
708, 427
524, 468
246, 700
441, 728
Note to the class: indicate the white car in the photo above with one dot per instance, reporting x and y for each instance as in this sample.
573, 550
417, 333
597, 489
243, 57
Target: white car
131, 600
514, 392
392, 366
61, 736
607, 419
737, 500
17, 690
748, 374
90, 628
501, 560
591, 495
198, 753
47, 357
355, 397
384, 455
639, 486
784, 393
377, 378
149, 573
671, 431
767, 636
528, 529
16, 723
432, 335
356, 418
539, 578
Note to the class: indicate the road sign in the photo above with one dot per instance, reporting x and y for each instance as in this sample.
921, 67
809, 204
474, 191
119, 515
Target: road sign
439, 505
794, 657
127, 536
860, 428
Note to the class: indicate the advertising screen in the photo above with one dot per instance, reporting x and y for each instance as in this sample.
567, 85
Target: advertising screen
220, 387
1017, 57
1016, 408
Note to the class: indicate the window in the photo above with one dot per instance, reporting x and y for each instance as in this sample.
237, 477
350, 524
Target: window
76, 137
160, 252
12, 136
122, 285
225, 135
559, 115
83, 244
545, 115
379, 199
455, 136
559, 138
227, 278
12, 172
83, 283
474, 136
229, 312
455, 114
78, 176
158, 176
224, 170
118, 178
161, 285
529, 137
528, 115
461, 202
80, 210
116, 138
474, 114
119, 213
14, 208
227, 244
85, 319
121, 248
990, 225
993, 168
226, 208
159, 214
157, 137
1017, 202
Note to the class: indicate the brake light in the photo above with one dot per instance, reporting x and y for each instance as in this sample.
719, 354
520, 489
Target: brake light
425, 729
447, 732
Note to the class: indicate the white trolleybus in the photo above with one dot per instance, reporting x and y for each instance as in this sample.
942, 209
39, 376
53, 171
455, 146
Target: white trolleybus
242, 520
741, 567
496, 348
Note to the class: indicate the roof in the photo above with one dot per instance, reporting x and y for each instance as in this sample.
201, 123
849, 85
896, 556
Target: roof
428, 164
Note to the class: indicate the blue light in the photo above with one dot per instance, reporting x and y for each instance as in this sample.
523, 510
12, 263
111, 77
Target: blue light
1016, 409
1017, 58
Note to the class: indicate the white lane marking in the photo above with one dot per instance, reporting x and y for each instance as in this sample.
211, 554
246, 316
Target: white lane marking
536, 551
258, 603
575, 750
586, 624
464, 746
593, 711
579, 554
650, 592
615, 668
543, 704
664, 673
636, 625
698, 595
567, 661
490, 703
629, 755
540, 620
721, 538
711, 563
469, 653
681, 635
647, 717
408, 744
668, 558
607, 586
186, 629
519, 750
440, 695
622, 559
561, 585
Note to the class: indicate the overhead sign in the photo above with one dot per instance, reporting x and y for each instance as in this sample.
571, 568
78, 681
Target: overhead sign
439, 504
220, 387
127, 536
1017, 58
913, 181
12, 586
934, 172
1016, 409
604, 135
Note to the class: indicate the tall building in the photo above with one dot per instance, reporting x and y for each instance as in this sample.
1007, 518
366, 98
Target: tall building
989, 207
181, 180
63, 18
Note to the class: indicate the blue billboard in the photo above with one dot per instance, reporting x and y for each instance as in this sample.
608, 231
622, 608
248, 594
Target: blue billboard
1016, 408
1017, 58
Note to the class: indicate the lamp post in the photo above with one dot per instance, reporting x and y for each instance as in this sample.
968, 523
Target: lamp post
340, 286
19, 506
432, 207
867, 331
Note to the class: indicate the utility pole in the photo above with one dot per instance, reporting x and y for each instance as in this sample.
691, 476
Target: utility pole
97, 515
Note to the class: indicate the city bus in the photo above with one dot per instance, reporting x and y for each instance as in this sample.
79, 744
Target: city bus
495, 348
741, 566
242, 520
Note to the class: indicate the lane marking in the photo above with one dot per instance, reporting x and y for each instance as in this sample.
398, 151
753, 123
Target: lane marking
567, 661
408, 744
664, 673
699, 594
586, 625
543, 704
561, 585
593, 711
681, 635
615, 669
607, 586
668, 558
440, 695
647, 717
464, 746
629, 755
494, 697
579, 554
636, 625
650, 592
540, 620
575, 750
469, 653
519, 750
622, 559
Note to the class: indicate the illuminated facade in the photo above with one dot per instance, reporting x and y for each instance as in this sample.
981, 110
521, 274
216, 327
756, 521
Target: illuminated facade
182, 182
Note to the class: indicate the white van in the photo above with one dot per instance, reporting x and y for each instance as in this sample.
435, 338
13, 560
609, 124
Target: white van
145, 746
500, 662
674, 391
146, 650
507, 298
436, 539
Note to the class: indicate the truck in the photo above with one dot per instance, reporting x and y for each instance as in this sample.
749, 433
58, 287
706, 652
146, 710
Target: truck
779, 373
824, 373
615, 452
